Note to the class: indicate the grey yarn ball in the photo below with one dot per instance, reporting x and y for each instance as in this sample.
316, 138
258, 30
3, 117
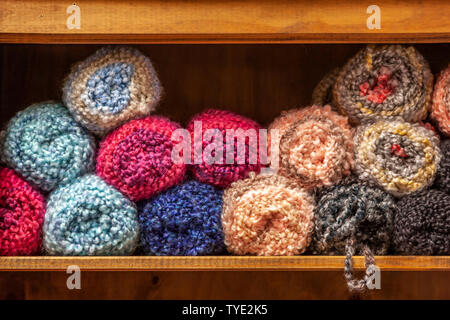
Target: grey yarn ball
357, 211
422, 224
443, 174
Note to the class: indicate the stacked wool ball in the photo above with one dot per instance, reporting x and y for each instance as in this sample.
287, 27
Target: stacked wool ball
422, 224
441, 102
399, 156
113, 86
323, 92
136, 158
22, 210
442, 181
211, 132
184, 220
47, 147
316, 146
267, 214
384, 82
353, 218
89, 217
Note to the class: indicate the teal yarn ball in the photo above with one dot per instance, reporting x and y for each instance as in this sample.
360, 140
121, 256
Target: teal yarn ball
47, 146
90, 218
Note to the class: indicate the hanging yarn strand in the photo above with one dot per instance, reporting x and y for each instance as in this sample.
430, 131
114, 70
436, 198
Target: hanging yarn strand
353, 284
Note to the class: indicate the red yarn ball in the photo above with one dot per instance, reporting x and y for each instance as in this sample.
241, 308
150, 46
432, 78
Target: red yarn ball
222, 174
136, 158
22, 210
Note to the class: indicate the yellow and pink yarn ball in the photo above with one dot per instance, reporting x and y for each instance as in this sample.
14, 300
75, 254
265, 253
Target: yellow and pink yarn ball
315, 146
267, 215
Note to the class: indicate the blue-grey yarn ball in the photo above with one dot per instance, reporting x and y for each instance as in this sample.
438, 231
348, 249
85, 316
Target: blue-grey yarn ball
183, 221
353, 211
88, 218
47, 147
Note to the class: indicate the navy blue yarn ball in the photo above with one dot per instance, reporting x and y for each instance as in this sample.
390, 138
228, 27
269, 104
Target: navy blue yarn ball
183, 221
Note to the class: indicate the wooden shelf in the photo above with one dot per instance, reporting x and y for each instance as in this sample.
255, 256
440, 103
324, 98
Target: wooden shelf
224, 21
221, 263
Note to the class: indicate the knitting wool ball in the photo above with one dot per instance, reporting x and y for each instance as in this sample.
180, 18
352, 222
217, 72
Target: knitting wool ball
440, 110
90, 218
323, 92
384, 82
398, 156
111, 87
442, 181
267, 215
45, 145
184, 220
22, 210
136, 158
422, 224
316, 146
357, 212
242, 156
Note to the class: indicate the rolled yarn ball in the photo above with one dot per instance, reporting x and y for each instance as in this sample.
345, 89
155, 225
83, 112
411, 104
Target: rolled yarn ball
90, 218
442, 181
382, 82
45, 145
183, 221
22, 210
111, 87
440, 110
422, 224
400, 157
136, 158
267, 215
353, 218
222, 173
316, 146
323, 92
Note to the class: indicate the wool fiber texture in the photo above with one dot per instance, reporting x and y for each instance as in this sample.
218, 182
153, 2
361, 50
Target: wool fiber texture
136, 158
382, 82
353, 218
440, 110
45, 145
422, 224
400, 157
222, 173
111, 87
22, 210
442, 181
183, 221
323, 92
267, 215
316, 146
90, 218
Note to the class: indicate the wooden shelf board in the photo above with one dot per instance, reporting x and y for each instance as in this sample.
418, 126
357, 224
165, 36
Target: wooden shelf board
224, 21
221, 263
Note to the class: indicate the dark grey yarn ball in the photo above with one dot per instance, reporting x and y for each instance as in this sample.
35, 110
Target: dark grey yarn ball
422, 224
442, 181
355, 210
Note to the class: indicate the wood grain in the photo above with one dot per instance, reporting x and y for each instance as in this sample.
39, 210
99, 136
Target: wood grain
224, 21
218, 263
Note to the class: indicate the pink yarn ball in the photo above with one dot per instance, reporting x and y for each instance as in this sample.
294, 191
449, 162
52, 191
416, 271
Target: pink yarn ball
136, 158
315, 146
222, 174
440, 110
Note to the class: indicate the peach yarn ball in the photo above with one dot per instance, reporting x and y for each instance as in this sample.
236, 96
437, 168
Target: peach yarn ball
316, 146
440, 110
267, 215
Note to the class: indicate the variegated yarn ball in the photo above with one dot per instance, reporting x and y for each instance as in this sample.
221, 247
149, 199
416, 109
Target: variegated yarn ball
315, 147
267, 215
383, 82
400, 157
323, 92
440, 110
111, 87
